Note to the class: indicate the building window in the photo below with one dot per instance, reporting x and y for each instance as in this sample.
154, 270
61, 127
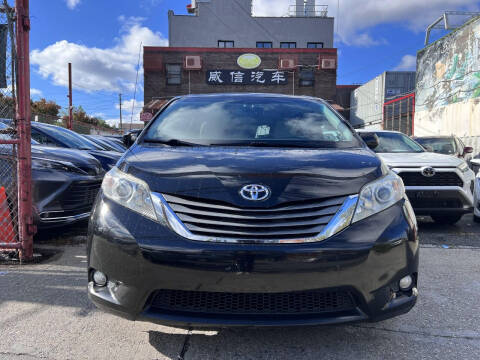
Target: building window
264, 44
174, 74
226, 44
306, 77
315, 45
288, 45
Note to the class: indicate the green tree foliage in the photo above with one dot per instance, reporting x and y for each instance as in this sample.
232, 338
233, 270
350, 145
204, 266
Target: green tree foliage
44, 107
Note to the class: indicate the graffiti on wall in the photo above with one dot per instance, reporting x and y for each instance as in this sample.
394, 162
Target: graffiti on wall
448, 71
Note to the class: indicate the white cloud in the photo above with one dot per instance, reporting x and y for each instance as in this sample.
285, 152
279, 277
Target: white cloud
408, 63
35, 92
72, 3
96, 69
127, 112
356, 16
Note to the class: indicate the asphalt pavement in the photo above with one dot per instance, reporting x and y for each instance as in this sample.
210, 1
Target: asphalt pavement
45, 314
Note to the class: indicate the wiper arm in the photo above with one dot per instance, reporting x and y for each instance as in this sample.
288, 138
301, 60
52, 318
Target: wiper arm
171, 142
266, 144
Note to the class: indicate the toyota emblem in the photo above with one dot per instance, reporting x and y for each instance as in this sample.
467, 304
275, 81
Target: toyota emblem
428, 171
255, 192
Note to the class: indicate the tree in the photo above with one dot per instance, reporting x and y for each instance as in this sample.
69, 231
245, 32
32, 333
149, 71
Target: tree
44, 107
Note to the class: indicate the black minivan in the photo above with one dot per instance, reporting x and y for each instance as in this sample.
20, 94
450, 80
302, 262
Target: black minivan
252, 210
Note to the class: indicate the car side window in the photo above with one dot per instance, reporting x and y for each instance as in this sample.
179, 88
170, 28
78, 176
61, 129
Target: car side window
42, 138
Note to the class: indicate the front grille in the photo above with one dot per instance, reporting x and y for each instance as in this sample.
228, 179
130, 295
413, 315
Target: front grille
294, 220
439, 179
81, 194
298, 302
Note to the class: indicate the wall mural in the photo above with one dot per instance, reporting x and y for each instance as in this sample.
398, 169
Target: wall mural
448, 71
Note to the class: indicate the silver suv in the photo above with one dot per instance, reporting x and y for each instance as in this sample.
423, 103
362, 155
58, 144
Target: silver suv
437, 185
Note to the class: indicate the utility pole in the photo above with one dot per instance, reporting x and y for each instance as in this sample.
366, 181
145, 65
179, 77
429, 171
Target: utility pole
70, 106
120, 102
26, 227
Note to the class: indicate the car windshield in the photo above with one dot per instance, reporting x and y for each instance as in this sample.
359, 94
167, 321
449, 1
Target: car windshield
251, 121
69, 138
391, 142
8, 136
439, 145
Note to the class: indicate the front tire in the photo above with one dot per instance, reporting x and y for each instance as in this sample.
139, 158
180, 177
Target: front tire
447, 219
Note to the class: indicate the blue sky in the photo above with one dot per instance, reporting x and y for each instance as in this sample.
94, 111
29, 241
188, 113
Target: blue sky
102, 39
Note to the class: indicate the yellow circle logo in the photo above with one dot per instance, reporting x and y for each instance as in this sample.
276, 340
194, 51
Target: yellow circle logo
249, 61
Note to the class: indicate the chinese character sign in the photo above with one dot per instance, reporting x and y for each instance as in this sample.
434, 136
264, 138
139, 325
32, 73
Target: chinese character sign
246, 77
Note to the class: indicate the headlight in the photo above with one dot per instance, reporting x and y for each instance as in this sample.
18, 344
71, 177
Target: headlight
463, 167
378, 196
129, 192
42, 164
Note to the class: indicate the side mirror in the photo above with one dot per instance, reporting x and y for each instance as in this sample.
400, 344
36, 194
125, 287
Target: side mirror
467, 150
428, 148
370, 139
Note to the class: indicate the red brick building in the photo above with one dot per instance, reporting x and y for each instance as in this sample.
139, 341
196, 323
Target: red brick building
171, 71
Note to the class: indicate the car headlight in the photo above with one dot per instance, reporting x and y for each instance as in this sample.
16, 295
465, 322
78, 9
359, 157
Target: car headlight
42, 164
463, 167
378, 196
129, 192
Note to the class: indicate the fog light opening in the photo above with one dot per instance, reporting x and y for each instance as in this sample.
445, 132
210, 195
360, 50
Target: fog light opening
99, 278
405, 283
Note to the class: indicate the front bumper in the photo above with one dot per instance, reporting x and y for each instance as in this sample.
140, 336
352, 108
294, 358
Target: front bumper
141, 258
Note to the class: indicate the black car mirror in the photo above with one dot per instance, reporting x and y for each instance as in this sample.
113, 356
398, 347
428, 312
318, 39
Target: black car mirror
467, 150
370, 139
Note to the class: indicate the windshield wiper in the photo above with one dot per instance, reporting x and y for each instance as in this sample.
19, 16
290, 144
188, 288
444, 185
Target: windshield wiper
268, 144
171, 142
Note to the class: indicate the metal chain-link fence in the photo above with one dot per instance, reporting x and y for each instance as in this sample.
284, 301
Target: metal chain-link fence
8, 135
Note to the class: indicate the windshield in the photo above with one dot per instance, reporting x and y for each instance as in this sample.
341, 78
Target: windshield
396, 143
439, 145
8, 136
251, 120
69, 138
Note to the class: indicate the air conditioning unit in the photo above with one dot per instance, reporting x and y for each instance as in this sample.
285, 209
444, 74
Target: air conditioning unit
193, 62
329, 64
287, 64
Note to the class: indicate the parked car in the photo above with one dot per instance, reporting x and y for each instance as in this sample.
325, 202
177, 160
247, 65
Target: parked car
476, 211
107, 143
437, 185
243, 209
130, 137
448, 145
65, 182
51, 135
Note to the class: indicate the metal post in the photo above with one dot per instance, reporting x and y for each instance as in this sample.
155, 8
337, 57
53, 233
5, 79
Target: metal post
120, 99
25, 227
70, 102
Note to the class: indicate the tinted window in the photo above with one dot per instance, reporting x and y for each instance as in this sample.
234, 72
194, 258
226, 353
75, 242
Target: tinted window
241, 120
396, 143
8, 136
69, 138
439, 145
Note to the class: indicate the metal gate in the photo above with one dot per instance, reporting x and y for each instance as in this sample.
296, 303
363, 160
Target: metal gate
399, 114
16, 220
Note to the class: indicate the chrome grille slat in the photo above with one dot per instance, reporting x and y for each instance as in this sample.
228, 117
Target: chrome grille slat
316, 221
292, 220
256, 232
328, 202
179, 209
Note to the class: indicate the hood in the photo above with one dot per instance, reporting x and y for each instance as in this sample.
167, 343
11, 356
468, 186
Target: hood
218, 173
79, 158
419, 159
